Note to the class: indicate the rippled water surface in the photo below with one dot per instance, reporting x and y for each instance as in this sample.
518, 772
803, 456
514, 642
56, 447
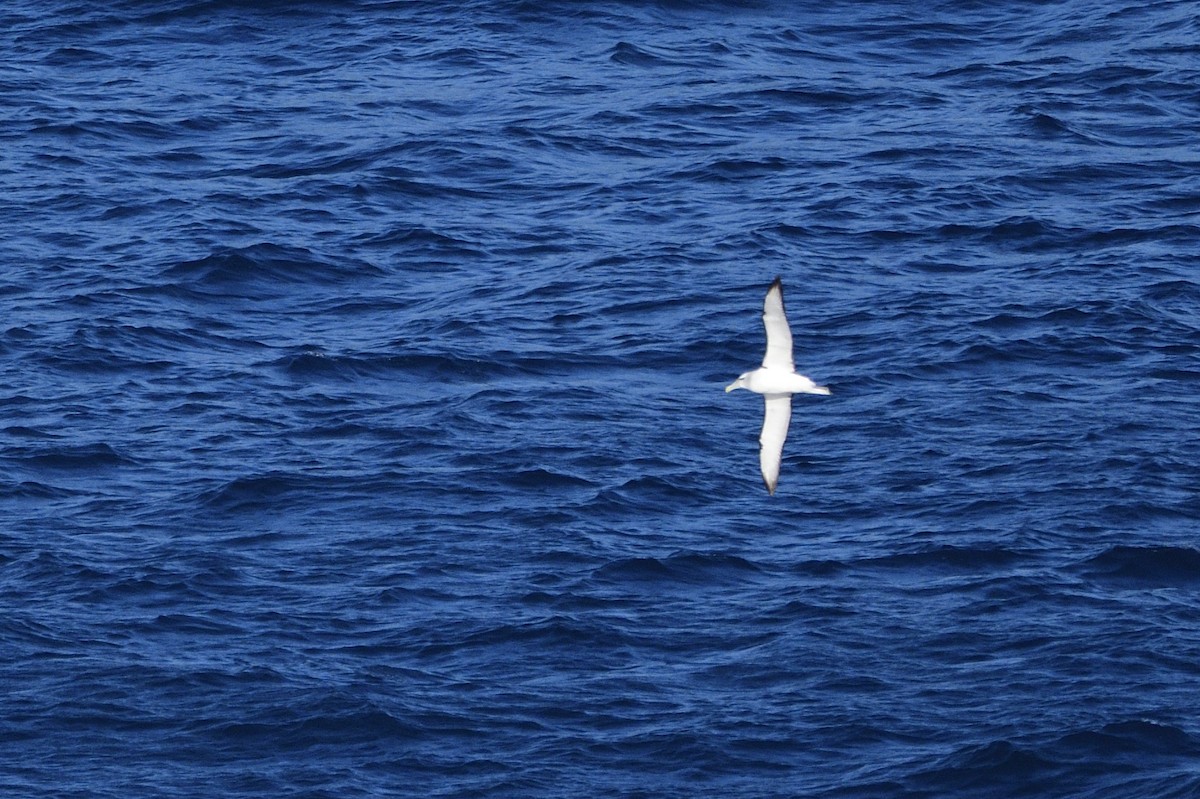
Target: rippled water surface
362, 429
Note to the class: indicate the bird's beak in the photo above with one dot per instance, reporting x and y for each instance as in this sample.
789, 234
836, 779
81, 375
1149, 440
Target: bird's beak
732, 385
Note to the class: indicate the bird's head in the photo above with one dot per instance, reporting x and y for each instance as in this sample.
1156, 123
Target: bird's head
739, 383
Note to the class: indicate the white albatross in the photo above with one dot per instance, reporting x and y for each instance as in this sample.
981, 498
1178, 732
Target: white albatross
777, 381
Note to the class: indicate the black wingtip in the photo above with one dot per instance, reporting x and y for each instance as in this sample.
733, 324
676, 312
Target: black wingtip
776, 284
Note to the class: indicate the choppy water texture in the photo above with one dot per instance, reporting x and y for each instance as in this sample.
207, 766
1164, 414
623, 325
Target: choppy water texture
361, 422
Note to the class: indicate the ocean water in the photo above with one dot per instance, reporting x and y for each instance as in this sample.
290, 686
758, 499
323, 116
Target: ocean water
362, 430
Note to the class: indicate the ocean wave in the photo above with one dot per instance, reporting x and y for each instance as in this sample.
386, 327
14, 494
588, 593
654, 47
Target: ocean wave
361, 373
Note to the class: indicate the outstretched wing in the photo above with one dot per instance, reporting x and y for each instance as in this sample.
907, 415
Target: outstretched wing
774, 432
779, 335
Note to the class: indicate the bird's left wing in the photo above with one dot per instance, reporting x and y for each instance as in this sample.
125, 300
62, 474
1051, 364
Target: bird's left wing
774, 433
779, 335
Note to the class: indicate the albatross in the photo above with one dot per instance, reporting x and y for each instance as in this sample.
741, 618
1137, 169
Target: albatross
777, 381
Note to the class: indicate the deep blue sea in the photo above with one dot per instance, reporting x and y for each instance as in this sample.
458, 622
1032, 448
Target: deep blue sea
362, 423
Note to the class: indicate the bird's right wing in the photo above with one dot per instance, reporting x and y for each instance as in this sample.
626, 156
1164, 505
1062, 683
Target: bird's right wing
779, 335
774, 433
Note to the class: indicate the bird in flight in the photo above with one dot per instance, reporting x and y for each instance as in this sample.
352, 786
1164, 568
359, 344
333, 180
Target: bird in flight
777, 381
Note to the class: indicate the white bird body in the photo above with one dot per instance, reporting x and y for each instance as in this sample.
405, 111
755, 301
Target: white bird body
768, 380
777, 381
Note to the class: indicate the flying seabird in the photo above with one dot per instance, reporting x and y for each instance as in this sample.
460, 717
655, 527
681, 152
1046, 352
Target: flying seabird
777, 381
